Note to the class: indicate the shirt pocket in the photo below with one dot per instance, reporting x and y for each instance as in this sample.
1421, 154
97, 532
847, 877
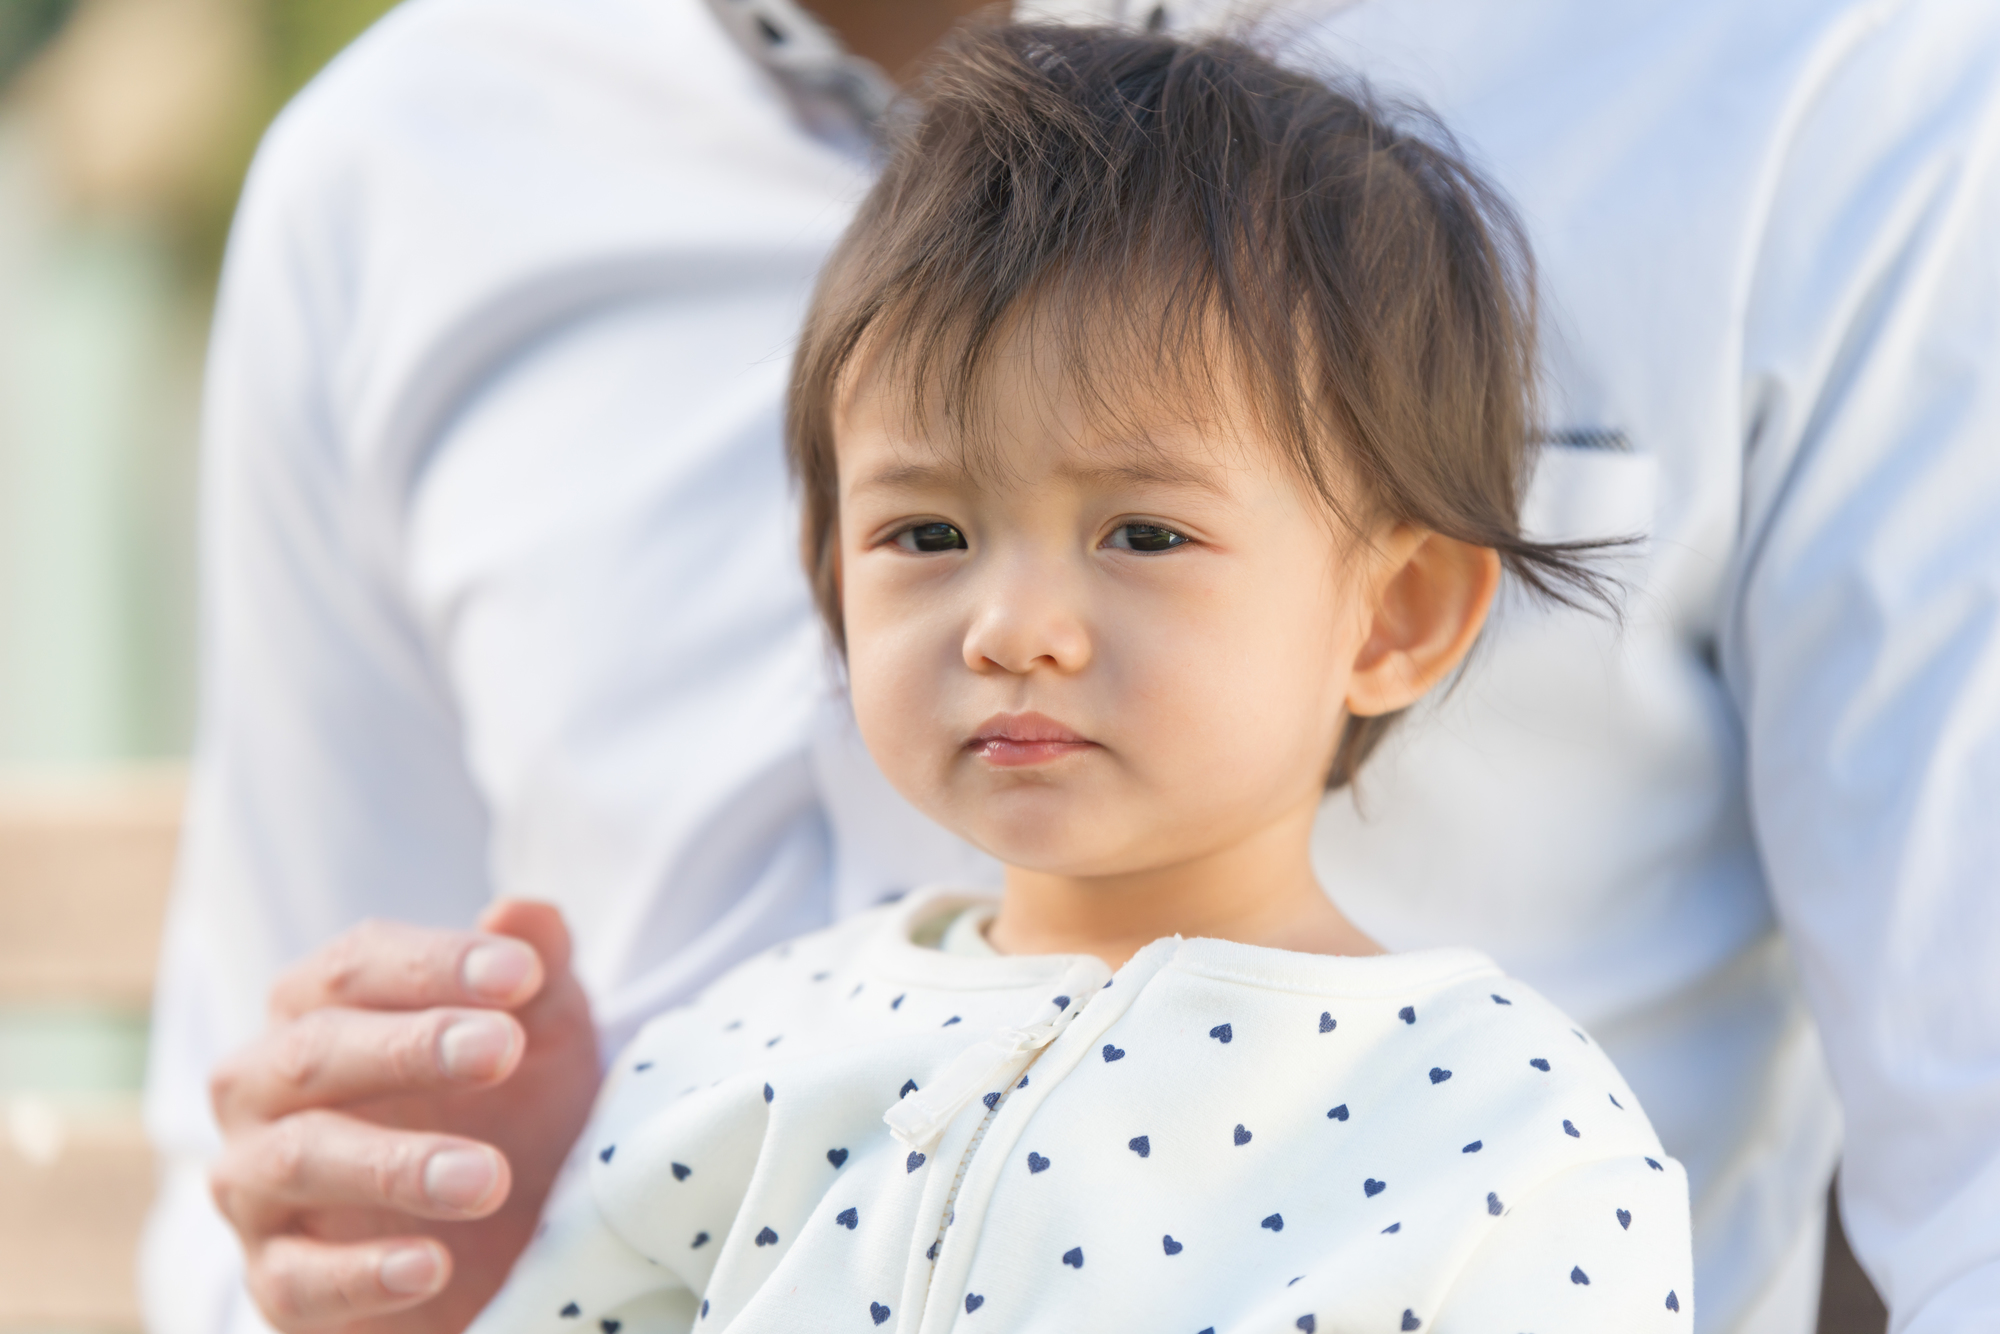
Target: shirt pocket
1582, 493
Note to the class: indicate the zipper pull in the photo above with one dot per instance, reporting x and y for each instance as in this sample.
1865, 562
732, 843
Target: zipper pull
918, 1119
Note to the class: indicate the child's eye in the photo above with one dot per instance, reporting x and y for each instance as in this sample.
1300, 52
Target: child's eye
1145, 537
931, 537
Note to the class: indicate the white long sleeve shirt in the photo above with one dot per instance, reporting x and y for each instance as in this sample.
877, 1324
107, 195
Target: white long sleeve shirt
853, 1132
501, 593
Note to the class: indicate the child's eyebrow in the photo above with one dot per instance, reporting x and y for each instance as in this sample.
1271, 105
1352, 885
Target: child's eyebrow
910, 477
1136, 468
1144, 469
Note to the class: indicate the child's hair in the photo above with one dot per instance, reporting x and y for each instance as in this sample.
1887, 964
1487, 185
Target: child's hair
1155, 206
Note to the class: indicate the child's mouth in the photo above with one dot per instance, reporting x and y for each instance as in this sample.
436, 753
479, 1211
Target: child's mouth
1017, 740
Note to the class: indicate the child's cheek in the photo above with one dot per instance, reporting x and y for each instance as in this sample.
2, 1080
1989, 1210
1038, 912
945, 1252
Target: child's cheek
896, 677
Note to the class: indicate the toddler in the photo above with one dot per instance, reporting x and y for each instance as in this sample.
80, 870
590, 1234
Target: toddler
1161, 423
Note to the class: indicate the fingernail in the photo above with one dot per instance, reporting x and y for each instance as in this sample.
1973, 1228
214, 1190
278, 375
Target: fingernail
459, 1178
409, 1271
497, 969
475, 1048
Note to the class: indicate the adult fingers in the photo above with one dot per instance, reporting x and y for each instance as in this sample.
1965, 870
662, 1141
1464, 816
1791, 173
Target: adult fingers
539, 925
266, 1176
301, 1283
560, 1005
333, 1056
395, 966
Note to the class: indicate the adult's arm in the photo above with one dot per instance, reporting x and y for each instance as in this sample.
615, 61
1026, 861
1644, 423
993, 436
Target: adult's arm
500, 595
1864, 648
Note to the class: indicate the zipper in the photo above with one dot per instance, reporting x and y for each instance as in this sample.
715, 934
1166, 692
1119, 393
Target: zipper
965, 1161
920, 1119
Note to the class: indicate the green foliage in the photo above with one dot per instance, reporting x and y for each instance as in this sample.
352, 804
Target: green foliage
304, 34
296, 40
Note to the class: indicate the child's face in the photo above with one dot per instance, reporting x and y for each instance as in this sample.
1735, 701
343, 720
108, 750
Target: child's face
1105, 655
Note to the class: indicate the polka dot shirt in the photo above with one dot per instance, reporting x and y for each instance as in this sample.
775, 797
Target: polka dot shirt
856, 1132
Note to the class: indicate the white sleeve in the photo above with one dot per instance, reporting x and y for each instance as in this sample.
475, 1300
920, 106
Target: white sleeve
505, 602
1598, 1247
600, 551
327, 781
1863, 647
591, 679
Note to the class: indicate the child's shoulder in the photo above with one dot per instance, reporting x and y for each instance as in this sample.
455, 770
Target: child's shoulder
1524, 1055
1434, 1027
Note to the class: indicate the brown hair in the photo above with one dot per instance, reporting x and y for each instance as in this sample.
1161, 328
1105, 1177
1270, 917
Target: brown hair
1149, 192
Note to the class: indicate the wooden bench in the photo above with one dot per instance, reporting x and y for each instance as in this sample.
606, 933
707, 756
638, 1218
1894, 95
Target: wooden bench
84, 869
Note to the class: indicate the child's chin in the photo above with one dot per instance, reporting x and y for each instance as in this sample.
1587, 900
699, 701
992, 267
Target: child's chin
1084, 855
1051, 827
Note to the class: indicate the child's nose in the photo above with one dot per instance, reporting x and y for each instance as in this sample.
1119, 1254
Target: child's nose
1027, 620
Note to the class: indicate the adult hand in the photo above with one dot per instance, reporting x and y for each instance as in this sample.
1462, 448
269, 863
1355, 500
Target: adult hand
390, 1139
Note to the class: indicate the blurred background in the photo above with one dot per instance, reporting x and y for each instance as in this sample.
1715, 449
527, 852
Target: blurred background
125, 129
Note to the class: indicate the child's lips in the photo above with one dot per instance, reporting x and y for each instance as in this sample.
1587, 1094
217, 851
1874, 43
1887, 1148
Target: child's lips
1004, 754
1017, 740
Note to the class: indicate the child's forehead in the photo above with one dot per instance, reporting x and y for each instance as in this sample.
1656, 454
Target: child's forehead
1023, 443
1032, 411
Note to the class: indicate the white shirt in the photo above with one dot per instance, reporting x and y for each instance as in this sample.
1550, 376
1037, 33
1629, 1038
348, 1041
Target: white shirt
853, 1132
502, 595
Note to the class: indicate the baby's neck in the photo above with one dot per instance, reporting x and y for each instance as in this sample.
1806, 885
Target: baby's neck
1261, 891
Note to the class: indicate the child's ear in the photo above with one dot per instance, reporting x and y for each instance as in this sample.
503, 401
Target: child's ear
1430, 597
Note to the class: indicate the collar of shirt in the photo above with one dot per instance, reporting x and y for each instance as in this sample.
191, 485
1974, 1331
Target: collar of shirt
842, 97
